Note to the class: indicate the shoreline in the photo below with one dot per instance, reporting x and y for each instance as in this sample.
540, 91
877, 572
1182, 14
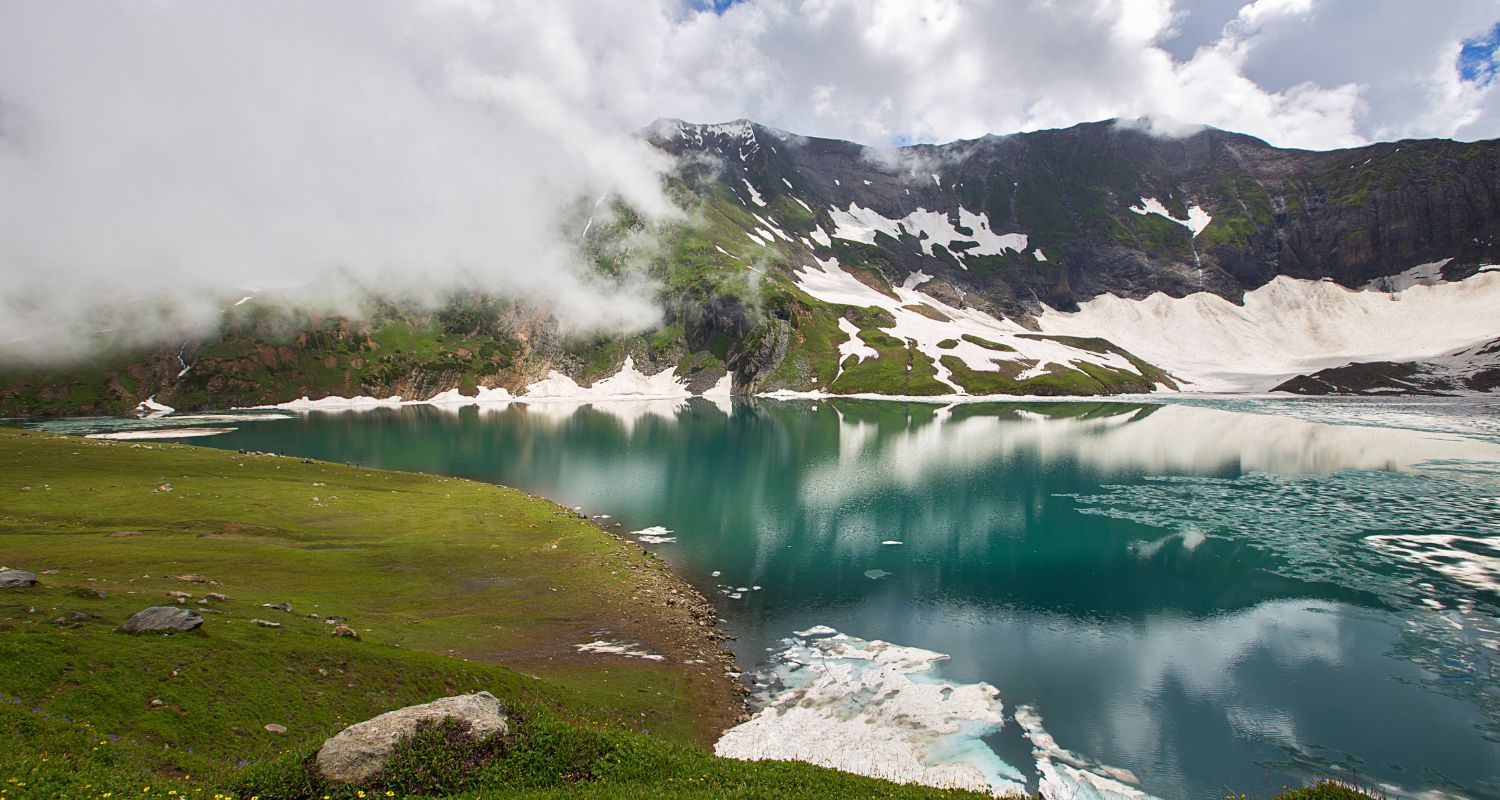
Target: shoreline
474, 603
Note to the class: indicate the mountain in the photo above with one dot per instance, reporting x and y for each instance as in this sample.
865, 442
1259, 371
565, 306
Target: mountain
1096, 259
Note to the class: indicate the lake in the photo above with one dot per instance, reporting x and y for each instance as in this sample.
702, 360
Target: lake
1173, 599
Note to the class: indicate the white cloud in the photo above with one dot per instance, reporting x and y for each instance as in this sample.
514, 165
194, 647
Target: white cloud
165, 149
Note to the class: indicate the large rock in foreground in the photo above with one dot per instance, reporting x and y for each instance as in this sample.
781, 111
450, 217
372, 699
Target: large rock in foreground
16, 579
160, 619
357, 753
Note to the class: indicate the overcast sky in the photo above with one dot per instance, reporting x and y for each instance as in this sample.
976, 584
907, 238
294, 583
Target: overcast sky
166, 151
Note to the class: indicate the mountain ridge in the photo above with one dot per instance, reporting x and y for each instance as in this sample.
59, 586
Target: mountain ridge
810, 264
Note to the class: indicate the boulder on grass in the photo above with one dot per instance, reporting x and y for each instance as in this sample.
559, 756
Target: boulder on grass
16, 579
357, 753
160, 619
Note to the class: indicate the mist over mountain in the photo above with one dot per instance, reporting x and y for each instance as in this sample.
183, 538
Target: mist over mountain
1102, 258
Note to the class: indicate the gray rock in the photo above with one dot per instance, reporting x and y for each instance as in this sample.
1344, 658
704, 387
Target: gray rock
274, 728
162, 618
16, 579
358, 752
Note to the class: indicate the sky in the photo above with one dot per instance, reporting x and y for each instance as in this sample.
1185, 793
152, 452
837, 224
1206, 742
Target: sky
157, 155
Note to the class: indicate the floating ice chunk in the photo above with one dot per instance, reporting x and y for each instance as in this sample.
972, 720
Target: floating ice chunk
876, 709
655, 534
716, 573
161, 433
1473, 561
1066, 775
876, 574
1197, 218
892, 542
627, 649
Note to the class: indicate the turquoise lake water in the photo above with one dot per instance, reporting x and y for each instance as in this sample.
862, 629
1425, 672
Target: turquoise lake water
1212, 596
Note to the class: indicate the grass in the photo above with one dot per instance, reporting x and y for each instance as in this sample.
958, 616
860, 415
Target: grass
454, 586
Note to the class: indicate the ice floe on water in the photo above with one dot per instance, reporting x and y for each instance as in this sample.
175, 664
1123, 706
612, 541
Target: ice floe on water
883, 710
1066, 774
873, 708
1411, 540
627, 649
161, 433
655, 534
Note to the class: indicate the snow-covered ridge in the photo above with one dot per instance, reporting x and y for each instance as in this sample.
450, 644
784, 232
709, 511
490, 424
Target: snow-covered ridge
1197, 218
1290, 327
859, 224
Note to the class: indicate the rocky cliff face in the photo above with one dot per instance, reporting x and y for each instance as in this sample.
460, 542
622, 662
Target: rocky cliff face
1077, 194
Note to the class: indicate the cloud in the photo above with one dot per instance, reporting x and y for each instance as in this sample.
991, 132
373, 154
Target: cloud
157, 155
171, 151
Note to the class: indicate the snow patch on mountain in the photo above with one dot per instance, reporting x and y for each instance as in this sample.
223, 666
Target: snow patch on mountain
754, 195
1197, 218
859, 224
855, 346
831, 284
1288, 327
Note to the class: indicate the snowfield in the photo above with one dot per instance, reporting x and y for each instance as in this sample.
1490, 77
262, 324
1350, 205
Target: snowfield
1290, 327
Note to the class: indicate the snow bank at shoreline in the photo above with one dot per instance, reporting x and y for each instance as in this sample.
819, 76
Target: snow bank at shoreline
874, 708
880, 709
627, 384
